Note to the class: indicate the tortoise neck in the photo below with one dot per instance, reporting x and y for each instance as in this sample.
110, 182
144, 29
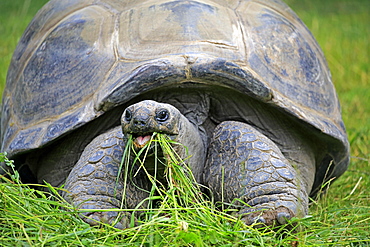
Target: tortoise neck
193, 104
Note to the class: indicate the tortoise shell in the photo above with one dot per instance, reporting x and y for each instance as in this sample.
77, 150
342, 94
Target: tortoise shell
80, 58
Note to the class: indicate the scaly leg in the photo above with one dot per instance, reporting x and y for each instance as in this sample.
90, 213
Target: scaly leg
93, 183
243, 163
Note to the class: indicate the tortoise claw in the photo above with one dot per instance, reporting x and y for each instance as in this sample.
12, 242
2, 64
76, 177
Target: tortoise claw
259, 222
108, 217
268, 217
283, 218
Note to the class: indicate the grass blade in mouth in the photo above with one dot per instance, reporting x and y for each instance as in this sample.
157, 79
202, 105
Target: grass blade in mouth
177, 189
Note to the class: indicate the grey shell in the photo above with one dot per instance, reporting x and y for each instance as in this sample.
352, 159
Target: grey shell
77, 56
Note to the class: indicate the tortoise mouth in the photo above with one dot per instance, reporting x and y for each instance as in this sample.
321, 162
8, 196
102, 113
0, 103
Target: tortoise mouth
141, 139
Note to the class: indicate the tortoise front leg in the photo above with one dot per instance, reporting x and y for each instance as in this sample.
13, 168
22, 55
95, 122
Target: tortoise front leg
92, 183
243, 163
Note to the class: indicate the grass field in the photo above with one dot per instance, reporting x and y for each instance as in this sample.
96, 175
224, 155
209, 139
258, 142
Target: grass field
341, 217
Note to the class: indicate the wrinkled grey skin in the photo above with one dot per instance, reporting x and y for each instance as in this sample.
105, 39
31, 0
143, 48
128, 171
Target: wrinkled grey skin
145, 119
250, 164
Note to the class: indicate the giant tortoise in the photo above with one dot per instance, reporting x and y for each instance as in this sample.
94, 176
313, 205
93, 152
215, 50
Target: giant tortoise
242, 83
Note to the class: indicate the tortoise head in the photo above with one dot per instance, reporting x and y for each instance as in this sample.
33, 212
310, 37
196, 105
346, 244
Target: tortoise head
142, 119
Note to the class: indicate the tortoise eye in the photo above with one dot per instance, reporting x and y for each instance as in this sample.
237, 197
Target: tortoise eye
128, 115
162, 115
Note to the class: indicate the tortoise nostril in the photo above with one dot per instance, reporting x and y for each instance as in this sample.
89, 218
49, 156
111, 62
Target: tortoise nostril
139, 122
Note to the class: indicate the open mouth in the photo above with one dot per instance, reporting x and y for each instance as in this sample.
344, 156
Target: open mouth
141, 139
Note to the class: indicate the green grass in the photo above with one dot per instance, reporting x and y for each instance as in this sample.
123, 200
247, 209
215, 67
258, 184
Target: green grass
341, 217
184, 216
